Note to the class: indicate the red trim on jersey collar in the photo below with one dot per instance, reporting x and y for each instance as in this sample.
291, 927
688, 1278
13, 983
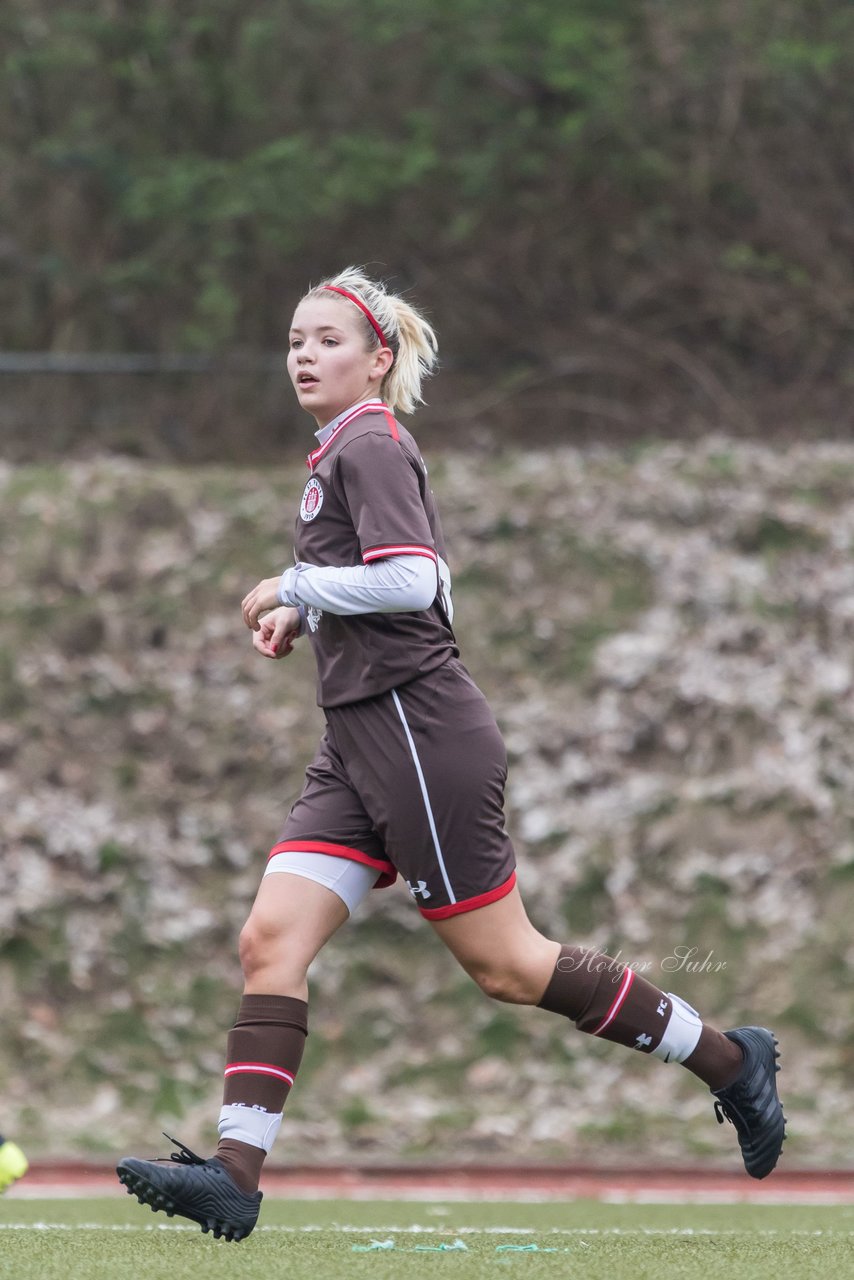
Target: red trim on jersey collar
392, 425
366, 406
375, 324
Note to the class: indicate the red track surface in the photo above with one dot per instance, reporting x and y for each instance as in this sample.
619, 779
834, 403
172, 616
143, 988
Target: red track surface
484, 1182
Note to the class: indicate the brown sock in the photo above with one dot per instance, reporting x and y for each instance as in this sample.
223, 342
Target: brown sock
606, 998
716, 1060
243, 1162
265, 1048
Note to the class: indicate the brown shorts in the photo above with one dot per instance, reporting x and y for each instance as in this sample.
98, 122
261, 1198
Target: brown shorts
412, 781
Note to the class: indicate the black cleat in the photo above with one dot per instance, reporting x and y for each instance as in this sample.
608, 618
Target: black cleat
202, 1190
751, 1102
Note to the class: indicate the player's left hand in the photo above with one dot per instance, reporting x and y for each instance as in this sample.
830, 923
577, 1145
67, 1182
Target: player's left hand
277, 632
259, 600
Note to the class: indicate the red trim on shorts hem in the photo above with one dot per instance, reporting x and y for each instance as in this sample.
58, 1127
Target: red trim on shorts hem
470, 904
338, 851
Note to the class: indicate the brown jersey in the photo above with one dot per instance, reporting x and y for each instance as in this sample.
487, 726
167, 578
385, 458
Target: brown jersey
368, 497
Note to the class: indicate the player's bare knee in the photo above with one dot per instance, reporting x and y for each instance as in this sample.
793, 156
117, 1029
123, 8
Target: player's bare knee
258, 946
272, 947
506, 984
248, 949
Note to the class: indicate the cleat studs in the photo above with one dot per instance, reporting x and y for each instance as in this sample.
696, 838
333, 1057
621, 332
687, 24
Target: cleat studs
195, 1192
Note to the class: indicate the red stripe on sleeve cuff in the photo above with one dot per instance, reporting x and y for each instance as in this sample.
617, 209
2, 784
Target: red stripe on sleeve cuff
399, 549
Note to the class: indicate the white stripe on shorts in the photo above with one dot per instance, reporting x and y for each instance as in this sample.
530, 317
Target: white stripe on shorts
425, 796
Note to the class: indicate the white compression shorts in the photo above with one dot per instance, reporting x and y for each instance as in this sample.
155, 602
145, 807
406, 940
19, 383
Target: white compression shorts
351, 880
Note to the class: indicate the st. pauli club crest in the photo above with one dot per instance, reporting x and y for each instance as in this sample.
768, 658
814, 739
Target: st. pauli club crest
312, 500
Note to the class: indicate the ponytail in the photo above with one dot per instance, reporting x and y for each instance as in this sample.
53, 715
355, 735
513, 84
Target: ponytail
389, 320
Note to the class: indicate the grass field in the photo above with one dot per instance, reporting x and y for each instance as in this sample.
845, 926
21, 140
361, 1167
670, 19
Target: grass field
112, 1239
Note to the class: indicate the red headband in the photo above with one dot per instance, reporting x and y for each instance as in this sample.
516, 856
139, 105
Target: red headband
345, 293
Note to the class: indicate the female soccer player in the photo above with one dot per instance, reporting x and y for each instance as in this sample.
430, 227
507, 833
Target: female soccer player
408, 779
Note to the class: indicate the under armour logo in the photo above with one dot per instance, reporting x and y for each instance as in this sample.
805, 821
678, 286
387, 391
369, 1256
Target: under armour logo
662, 1007
420, 888
643, 1042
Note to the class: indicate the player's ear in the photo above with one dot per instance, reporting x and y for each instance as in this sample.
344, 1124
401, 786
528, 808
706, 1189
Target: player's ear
383, 360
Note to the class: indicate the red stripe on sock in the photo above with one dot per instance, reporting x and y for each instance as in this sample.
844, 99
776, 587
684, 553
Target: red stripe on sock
625, 987
259, 1069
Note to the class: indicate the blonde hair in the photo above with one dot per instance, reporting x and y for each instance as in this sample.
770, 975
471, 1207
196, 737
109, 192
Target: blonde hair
408, 335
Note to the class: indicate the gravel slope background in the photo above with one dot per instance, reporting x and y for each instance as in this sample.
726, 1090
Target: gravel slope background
665, 635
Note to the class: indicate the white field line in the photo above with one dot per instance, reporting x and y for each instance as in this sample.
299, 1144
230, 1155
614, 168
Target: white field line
417, 1230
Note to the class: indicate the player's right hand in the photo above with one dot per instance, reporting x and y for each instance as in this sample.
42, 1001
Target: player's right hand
277, 632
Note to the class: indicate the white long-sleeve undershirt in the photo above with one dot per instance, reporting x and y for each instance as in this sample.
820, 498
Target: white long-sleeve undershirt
395, 584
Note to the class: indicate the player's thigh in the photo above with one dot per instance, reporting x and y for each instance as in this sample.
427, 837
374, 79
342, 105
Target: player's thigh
290, 916
501, 949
